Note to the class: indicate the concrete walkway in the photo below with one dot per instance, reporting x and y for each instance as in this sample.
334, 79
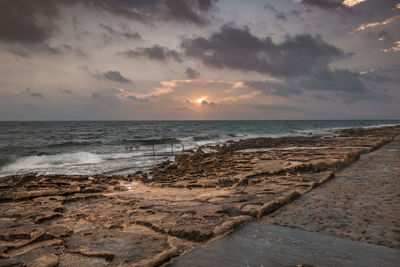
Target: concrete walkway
354, 220
259, 244
361, 203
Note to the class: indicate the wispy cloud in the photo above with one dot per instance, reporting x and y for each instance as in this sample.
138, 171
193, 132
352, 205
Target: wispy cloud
114, 76
33, 94
395, 48
365, 26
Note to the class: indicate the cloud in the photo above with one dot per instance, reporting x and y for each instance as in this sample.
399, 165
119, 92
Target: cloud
95, 95
338, 83
365, 26
66, 91
45, 48
192, 11
114, 76
138, 99
155, 52
192, 74
33, 94
325, 4
395, 48
279, 108
336, 80
205, 103
188, 10
274, 88
278, 14
19, 21
237, 49
126, 33
380, 76
350, 3
19, 52
31, 22
382, 36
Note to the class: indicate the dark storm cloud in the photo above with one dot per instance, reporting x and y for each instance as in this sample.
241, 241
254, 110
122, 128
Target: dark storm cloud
326, 4
205, 103
377, 78
192, 74
181, 10
33, 94
27, 21
114, 76
236, 48
19, 20
380, 76
345, 84
278, 108
188, 10
193, 11
336, 80
275, 88
45, 48
155, 52
278, 14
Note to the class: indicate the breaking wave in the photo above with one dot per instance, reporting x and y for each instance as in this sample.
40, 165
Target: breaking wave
37, 162
159, 141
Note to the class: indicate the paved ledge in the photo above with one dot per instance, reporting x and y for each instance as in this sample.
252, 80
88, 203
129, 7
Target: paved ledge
362, 203
258, 244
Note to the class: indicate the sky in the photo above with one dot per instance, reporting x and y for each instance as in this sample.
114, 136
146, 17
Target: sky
199, 59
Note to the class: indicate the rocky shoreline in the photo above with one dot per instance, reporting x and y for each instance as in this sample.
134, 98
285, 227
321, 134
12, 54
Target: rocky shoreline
145, 220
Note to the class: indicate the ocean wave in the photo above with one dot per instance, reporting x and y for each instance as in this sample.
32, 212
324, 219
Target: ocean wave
45, 161
73, 143
4, 161
331, 131
381, 125
204, 137
201, 138
159, 141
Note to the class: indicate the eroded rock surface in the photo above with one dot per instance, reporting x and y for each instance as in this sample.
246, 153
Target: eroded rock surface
145, 219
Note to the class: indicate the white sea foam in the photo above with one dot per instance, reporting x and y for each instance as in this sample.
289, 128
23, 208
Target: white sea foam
381, 125
333, 131
45, 161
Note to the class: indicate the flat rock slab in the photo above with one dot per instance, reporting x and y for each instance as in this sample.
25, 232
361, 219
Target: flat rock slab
258, 244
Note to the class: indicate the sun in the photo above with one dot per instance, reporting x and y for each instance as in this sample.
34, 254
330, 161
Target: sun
200, 100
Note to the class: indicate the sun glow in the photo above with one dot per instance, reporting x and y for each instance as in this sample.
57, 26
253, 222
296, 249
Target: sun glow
350, 3
200, 100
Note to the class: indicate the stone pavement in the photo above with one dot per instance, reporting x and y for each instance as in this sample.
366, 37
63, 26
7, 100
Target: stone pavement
258, 244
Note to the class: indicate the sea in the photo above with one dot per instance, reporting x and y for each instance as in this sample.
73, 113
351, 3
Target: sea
123, 147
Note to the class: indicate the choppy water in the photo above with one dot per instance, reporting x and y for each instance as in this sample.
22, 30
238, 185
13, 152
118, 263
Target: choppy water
100, 146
